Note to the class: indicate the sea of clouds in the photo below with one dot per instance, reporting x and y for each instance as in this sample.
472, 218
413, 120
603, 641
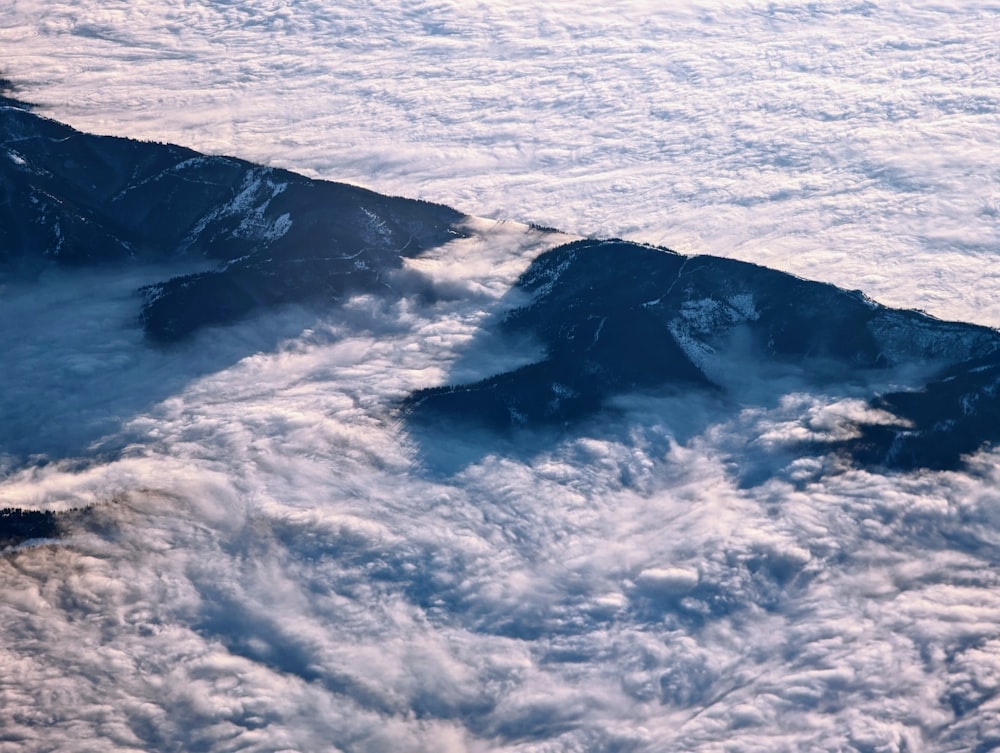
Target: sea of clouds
273, 561
847, 141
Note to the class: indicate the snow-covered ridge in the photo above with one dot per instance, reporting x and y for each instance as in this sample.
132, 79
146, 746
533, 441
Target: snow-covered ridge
616, 318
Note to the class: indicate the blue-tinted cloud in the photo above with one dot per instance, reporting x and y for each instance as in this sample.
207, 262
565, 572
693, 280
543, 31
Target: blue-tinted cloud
269, 566
269, 563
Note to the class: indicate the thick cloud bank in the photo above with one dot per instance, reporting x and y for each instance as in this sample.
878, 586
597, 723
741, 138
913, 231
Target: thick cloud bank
264, 558
269, 562
848, 142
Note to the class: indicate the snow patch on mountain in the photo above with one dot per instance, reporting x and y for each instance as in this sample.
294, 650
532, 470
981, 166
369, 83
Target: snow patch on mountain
704, 325
258, 189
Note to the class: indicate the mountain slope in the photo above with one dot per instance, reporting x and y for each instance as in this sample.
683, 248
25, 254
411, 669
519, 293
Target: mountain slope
615, 317
611, 317
76, 199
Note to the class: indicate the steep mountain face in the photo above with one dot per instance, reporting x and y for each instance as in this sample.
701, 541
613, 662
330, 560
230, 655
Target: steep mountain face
615, 317
75, 199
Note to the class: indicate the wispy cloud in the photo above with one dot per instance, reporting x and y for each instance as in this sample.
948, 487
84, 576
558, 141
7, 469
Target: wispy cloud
269, 566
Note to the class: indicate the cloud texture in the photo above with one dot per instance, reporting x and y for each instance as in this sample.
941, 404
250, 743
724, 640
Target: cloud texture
848, 142
272, 563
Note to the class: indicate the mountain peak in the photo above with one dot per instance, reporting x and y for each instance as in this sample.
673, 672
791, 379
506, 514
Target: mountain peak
272, 236
615, 317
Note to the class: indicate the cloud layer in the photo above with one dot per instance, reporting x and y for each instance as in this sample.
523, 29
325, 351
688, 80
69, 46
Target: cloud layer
270, 562
841, 141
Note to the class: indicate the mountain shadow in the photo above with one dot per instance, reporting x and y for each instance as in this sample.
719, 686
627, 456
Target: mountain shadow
610, 319
204, 242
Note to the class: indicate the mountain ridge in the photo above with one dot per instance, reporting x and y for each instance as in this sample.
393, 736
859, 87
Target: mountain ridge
611, 316
615, 317
75, 199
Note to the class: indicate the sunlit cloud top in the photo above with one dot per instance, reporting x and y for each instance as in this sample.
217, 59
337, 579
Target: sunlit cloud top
842, 141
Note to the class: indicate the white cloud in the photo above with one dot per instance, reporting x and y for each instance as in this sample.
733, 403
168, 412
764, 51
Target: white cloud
267, 567
272, 564
843, 142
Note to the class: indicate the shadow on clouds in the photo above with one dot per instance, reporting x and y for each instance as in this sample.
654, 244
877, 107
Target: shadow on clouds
77, 366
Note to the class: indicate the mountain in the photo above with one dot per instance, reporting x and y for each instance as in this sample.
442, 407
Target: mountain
79, 200
615, 317
954, 414
611, 317
487, 487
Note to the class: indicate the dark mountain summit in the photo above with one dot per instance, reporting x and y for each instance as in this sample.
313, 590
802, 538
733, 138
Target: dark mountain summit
615, 317
76, 199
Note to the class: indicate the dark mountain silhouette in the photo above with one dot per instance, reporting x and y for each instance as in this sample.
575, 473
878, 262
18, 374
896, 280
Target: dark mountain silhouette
76, 199
616, 317
612, 317
18, 526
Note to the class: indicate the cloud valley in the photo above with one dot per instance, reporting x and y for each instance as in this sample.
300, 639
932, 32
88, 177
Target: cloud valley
269, 563
265, 557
